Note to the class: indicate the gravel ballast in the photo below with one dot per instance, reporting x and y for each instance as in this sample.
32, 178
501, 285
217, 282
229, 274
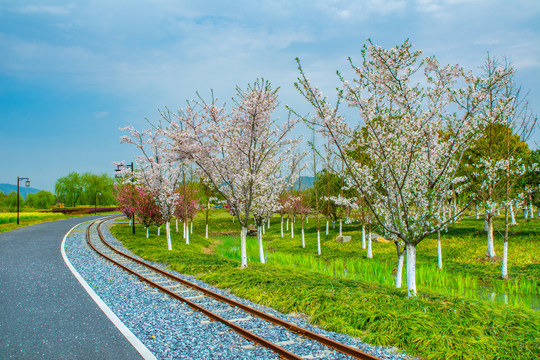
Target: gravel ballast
172, 330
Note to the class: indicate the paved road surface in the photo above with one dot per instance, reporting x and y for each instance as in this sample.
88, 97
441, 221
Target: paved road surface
44, 311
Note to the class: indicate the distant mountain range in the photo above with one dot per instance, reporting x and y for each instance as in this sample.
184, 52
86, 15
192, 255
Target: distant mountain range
7, 188
305, 181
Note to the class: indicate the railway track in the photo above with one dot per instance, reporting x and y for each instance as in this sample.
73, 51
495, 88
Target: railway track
216, 306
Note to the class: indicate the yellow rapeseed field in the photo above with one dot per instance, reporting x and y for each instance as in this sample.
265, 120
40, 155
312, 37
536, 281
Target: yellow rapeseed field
9, 217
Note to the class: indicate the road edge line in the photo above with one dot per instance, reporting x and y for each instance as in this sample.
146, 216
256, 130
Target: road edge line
134, 340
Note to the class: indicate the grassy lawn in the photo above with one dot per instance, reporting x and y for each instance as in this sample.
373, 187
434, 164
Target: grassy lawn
343, 291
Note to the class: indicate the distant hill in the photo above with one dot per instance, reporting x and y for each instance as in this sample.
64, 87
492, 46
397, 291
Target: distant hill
305, 181
7, 188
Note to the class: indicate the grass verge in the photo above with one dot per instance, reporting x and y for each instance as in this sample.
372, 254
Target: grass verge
432, 326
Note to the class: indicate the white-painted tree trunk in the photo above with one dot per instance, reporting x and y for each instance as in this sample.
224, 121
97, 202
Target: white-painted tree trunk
263, 231
439, 249
333, 225
307, 219
411, 270
485, 224
282, 228
268, 223
318, 242
369, 249
504, 273
159, 230
191, 227
233, 219
292, 230
287, 227
147, 233
363, 237
261, 250
176, 225
340, 227
207, 231
525, 213
327, 224
531, 209
184, 229
399, 273
490, 252
187, 236
303, 239
512, 216
243, 249
168, 230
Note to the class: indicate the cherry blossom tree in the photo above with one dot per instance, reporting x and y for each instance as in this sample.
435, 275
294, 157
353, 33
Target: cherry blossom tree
146, 209
187, 205
159, 171
417, 119
126, 195
233, 150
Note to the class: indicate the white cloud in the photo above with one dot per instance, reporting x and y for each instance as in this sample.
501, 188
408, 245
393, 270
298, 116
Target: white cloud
43, 9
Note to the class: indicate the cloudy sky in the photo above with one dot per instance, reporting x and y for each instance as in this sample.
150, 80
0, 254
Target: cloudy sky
73, 72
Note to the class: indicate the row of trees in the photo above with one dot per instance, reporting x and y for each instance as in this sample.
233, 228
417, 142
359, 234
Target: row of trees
41, 200
85, 189
418, 124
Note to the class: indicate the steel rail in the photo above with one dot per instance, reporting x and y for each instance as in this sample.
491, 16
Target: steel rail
241, 331
345, 349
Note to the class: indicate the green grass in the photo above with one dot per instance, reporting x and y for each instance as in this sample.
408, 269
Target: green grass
434, 325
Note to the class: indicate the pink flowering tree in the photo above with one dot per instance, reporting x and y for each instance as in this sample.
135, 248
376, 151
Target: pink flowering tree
126, 195
187, 205
159, 171
146, 209
300, 206
233, 149
416, 118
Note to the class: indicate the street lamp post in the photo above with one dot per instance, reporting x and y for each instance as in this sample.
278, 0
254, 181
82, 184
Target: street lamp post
95, 201
27, 184
119, 168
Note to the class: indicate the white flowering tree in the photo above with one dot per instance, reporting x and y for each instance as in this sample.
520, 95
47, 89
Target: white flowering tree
234, 149
159, 171
416, 118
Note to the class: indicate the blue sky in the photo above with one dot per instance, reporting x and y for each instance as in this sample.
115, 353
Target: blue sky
73, 72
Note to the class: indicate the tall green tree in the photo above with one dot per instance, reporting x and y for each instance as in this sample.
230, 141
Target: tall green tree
41, 200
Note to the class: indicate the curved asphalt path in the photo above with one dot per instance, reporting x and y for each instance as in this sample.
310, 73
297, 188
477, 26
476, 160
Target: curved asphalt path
44, 312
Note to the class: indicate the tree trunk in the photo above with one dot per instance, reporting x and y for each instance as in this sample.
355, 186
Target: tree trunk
287, 224
184, 229
243, 249
439, 249
363, 237
268, 223
187, 235
399, 273
327, 223
531, 210
512, 216
191, 227
282, 227
340, 227
176, 225
303, 239
318, 242
369, 250
207, 230
504, 272
411, 269
168, 229
490, 252
159, 230
261, 250
147, 233
292, 229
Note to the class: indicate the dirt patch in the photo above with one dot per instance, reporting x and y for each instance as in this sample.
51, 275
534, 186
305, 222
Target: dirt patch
494, 259
210, 250
222, 233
